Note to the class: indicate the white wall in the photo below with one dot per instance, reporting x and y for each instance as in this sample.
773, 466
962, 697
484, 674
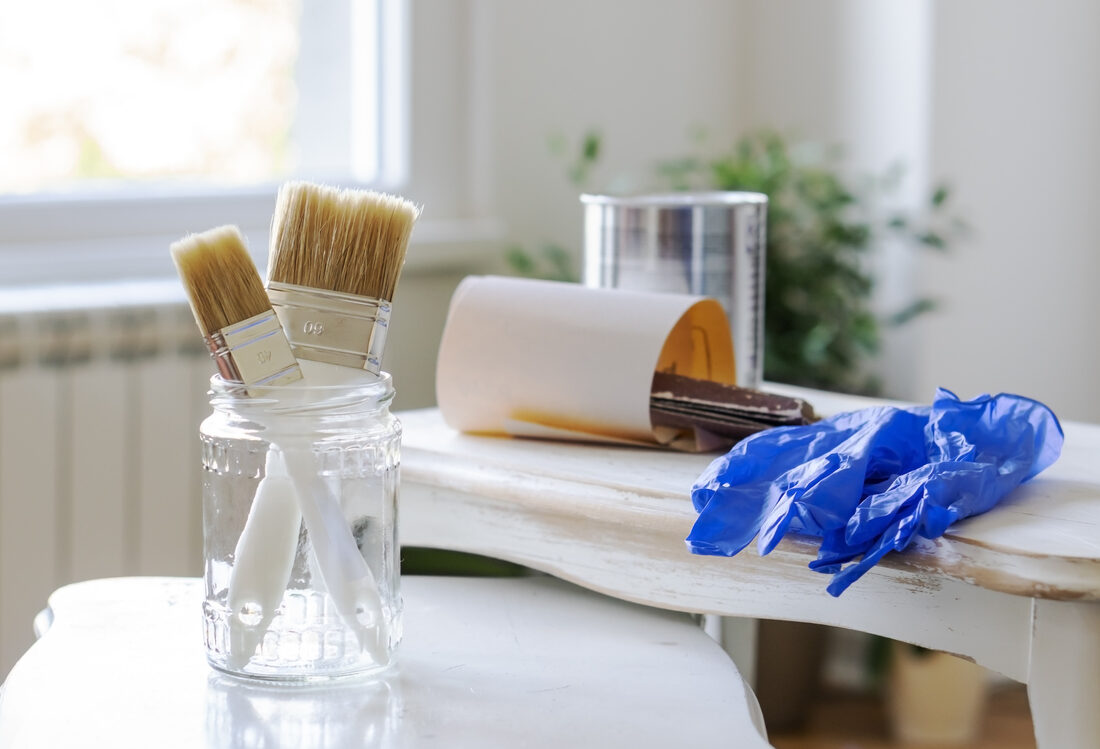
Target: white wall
644, 73
1017, 129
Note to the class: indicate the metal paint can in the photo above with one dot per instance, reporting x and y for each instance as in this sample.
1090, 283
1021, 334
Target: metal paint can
705, 243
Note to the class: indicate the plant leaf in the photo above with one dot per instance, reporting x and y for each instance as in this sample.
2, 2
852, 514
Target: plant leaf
590, 150
520, 261
910, 311
932, 239
561, 263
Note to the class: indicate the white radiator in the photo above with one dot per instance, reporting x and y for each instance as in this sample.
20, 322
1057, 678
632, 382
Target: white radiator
100, 402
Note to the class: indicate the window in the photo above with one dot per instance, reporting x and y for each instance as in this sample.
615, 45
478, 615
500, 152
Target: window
226, 92
128, 123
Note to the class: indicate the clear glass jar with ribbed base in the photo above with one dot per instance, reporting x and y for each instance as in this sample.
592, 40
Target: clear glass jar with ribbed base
300, 528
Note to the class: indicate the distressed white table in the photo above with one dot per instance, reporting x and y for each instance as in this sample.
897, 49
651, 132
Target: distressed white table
530, 662
1017, 589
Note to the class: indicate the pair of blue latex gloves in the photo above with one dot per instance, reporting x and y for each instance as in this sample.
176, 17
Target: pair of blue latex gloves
867, 482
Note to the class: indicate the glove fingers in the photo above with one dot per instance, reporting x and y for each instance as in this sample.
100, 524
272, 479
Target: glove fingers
898, 536
821, 496
731, 524
877, 511
739, 490
764, 456
834, 551
831, 470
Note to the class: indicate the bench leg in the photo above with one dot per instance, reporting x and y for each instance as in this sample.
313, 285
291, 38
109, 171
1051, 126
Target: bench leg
1064, 675
739, 641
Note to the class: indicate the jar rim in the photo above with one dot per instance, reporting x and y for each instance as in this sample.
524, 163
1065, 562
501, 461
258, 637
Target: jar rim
361, 390
381, 382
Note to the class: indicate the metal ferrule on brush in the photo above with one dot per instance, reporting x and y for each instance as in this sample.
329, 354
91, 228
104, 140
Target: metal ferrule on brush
254, 352
331, 326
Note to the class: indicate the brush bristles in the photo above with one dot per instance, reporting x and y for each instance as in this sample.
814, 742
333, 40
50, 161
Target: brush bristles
221, 280
351, 241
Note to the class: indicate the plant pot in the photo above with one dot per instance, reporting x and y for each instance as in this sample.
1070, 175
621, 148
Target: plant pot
934, 698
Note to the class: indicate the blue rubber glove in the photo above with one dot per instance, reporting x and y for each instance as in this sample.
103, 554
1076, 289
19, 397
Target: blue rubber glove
739, 491
887, 475
810, 478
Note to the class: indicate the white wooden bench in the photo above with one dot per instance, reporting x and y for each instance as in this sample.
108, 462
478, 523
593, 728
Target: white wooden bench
1016, 589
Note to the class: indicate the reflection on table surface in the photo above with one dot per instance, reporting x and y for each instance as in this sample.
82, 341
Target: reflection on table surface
247, 713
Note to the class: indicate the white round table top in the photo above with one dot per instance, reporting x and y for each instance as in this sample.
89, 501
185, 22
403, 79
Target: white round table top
525, 662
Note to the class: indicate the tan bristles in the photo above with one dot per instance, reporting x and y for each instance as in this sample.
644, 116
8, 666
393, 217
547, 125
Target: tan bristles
220, 278
351, 241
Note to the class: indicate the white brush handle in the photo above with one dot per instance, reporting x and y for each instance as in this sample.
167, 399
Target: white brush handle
263, 560
269, 541
345, 573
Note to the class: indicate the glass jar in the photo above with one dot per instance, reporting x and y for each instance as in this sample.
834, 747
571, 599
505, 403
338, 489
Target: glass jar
300, 528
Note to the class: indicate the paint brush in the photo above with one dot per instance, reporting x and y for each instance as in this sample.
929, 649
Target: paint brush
232, 309
246, 341
336, 256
